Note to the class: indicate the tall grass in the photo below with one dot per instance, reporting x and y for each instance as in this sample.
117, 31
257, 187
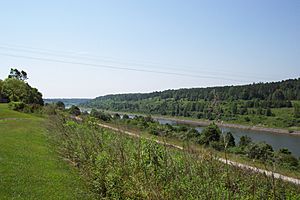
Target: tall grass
120, 167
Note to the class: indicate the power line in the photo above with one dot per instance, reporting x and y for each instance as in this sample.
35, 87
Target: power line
114, 60
117, 67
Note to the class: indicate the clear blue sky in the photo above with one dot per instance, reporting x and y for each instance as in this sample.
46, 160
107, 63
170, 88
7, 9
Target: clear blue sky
197, 43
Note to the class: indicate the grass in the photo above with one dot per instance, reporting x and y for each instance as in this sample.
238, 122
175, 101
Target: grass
200, 149
29, 166
123, 167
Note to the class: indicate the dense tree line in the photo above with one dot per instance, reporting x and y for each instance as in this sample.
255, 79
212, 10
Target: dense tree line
15, 89
224, 103
277, 91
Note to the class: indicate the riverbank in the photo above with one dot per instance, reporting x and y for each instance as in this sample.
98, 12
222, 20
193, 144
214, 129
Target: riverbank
225, 161
228, 125
199, 122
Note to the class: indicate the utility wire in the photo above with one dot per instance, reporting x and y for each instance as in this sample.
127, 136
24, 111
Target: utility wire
118, 67
114, 60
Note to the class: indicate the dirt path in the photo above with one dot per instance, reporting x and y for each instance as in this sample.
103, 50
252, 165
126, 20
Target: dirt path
199, 122
233, 163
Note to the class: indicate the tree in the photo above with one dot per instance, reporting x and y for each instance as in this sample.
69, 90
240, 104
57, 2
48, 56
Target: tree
229, 139
234, 108
125, 116
210, 133
74, 110
117, 116
245, 141
100, 115
268, 112
285, 158
60, 105
15, 89
297, 110
278, 95
261, 151
16, 74
1, 96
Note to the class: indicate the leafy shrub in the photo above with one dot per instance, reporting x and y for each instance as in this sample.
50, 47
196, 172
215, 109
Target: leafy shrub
17, 106
211, 133
121, 167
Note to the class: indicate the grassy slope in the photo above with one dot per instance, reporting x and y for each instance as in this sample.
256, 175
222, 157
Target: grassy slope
29, 169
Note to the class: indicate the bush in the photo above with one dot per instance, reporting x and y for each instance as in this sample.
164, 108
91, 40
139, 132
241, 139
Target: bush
17, 106
285, 159
74, 110
211, 133
260, 151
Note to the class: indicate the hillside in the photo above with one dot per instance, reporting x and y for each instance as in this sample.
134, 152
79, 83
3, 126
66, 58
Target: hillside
30, 168
273, 104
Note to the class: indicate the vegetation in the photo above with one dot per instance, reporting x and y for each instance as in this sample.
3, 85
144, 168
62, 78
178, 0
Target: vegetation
116, 166
269, 104
15, 89
212, 137
120, 167
68, 102
29, 165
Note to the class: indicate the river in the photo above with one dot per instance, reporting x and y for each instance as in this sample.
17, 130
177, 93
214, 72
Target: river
292, 142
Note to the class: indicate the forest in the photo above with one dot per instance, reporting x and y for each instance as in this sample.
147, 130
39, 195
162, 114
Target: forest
275, 104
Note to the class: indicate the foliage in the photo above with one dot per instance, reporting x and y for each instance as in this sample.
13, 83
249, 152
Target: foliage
297, 110
16, 89
74, 110
245, 141
100, 115
260, 151
228, 140
17, 106
211, 133
249, 104
120, 167
285, 158
60, 105
16, 74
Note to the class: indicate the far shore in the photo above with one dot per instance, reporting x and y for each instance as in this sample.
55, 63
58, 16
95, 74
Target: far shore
199, 122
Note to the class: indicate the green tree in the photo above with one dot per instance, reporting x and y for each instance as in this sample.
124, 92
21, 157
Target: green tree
125, 116
261, 151
278, 95
74, 110
16, 90
245, 141
297, 110
211, 133
285, 158
234, 108
1, 96
229, 139
60, 105
19, 75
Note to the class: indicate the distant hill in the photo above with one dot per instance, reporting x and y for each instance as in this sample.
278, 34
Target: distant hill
249, 104
68, 101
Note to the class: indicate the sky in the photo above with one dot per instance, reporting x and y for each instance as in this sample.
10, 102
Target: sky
85, 49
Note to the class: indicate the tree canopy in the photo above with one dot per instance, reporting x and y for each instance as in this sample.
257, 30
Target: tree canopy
14, 88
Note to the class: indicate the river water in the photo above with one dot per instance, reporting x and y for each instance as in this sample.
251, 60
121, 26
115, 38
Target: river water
277, 141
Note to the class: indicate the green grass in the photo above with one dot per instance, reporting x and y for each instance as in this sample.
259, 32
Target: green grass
122, 167
29, 166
